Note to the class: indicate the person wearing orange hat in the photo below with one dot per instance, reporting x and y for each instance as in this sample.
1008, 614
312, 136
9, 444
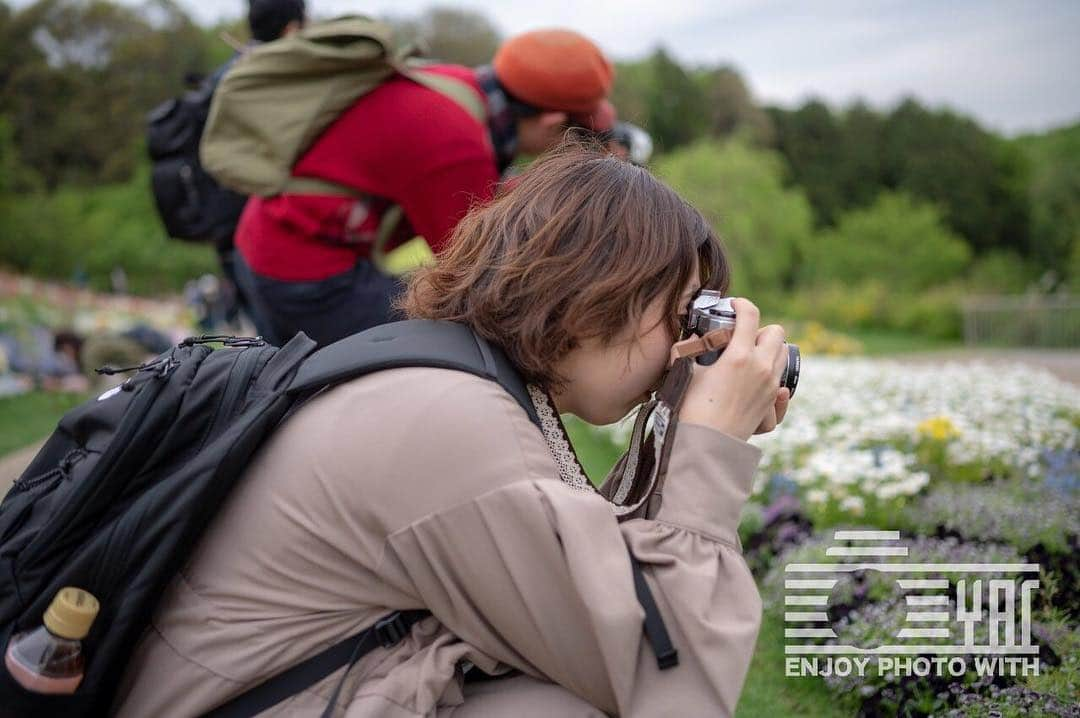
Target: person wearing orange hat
308, 262
557, 77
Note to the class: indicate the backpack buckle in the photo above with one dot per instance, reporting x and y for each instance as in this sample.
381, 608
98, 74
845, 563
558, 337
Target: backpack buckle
391, 630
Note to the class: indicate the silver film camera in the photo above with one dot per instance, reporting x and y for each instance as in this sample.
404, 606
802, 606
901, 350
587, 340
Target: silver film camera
709, 312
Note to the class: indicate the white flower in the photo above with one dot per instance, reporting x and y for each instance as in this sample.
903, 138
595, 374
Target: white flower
850, 429
853, 504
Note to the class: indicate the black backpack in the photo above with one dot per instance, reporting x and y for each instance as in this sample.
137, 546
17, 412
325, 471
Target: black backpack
191, 204
118, 497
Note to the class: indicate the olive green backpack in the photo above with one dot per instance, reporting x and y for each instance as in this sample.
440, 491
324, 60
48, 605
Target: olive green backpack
280, 96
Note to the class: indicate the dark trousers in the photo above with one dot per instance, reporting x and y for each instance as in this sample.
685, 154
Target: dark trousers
326, 309
234, 300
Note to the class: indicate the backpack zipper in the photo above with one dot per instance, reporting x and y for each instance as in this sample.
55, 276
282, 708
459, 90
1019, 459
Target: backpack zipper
239, 379
226, 339
133, 417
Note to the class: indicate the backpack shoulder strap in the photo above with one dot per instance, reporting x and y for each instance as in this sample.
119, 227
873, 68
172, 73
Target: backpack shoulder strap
450, 87
412, 343
387, 632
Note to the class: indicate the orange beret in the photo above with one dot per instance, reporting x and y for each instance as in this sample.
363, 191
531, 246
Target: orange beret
554, 70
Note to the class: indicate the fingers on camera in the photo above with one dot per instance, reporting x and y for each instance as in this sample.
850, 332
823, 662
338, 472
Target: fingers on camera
747, 318
772, 337
768, 423
783, 396
780, 360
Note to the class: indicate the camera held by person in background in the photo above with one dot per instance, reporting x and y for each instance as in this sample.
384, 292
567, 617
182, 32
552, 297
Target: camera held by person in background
630, 142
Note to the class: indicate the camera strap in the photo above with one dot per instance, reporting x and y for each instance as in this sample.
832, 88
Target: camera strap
637, 483
637, 462
697, 345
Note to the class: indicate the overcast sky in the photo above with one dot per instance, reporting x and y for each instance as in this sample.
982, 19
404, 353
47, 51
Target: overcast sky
1014, 65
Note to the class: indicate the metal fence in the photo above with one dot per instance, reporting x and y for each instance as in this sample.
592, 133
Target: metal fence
1022, 321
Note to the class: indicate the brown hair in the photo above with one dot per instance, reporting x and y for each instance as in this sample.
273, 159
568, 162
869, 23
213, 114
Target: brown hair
578, 248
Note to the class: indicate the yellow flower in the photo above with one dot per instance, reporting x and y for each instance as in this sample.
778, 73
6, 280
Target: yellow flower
814, 338
938, 428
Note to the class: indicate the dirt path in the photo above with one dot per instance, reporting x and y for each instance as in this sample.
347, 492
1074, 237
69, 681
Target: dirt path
1062, 363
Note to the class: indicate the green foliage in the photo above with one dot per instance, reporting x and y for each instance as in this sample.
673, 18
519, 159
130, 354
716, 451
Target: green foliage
1055, 198
661, 96
1050, 694
950, 160
812, 142
77, 77
1061, 681
465, 37
731, 107
676, 103
871, 305
1002, 272
14, 175
843, 160
765, 227
1074, 268
677, 106
594, 447
222, 40
1023, 515
91, 231
896, 240
890, 342
628, 93
935, 313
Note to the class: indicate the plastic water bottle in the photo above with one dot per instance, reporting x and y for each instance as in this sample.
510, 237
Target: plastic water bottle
49, 658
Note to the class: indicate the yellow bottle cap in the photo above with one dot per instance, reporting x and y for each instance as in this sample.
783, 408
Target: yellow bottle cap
71, 613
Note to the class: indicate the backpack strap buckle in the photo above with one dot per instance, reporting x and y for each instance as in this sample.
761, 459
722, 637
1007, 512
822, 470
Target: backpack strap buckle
391, 630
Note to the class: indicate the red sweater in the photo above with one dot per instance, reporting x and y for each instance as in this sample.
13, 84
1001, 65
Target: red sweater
402, 143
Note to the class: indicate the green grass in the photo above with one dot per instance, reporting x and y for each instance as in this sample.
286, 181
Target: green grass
29, 417
879, 342
595, 450
768, 692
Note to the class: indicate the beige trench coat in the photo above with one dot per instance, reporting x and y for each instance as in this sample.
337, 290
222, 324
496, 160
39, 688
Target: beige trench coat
429, 488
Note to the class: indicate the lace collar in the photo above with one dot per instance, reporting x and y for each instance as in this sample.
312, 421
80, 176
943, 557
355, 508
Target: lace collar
569, 466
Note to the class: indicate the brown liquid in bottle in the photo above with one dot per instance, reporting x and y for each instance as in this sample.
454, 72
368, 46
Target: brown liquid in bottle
49, 659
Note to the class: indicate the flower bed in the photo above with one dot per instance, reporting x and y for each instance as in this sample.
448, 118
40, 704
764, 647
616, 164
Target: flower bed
974, 464
864, 436
867, 609
52, 336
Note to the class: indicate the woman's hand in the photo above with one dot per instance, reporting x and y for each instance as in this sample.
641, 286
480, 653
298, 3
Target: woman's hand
772, 419
739, 394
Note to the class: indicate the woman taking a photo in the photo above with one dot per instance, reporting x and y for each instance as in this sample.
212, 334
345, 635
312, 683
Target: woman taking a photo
424, 488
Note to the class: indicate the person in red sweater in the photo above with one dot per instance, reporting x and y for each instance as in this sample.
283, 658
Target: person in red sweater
305, 261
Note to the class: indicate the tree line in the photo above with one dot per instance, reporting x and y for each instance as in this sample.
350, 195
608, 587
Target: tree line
78, 76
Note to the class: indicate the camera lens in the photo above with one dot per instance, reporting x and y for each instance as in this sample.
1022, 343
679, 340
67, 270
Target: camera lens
790, 378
